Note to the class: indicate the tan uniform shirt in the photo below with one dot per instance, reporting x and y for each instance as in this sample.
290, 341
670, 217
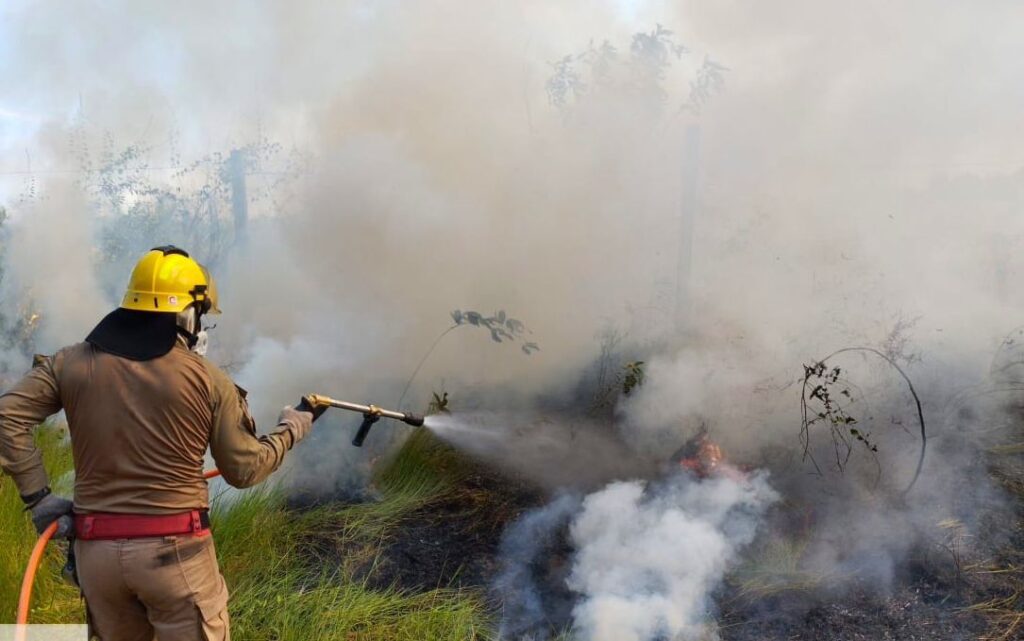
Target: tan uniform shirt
139, 429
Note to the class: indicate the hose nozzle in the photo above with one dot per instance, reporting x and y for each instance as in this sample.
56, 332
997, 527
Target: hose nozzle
414, 420
371, 414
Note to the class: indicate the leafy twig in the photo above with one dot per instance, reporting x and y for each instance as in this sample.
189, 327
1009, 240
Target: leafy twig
633, 375
834, 413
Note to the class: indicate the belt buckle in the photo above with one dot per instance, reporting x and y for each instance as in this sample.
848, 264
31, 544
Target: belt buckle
196, 521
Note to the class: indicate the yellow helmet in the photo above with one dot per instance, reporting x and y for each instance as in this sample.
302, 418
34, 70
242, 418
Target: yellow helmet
167, 279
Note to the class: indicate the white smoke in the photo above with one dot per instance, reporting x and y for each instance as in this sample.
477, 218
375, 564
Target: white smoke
649, 557
55, 270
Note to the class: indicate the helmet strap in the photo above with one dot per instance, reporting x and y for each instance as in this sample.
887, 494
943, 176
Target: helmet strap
189, 324
190, 338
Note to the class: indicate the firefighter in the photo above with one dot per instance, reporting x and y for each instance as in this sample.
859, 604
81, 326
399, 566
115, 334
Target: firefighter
142, 408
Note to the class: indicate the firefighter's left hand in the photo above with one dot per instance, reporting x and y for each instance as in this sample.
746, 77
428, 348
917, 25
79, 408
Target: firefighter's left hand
54, 508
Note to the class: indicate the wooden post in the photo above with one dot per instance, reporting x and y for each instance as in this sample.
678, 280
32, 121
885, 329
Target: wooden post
239, 198
687, 214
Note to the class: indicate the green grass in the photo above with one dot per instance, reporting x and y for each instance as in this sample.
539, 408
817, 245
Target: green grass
290, 573
54, 601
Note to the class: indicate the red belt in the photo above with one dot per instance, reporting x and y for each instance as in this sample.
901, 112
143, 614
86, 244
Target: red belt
136, 526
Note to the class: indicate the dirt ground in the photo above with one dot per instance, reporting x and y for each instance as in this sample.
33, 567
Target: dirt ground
918, 612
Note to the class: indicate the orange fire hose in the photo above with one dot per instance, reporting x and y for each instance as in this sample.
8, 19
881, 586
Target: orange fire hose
30, 574
33, 566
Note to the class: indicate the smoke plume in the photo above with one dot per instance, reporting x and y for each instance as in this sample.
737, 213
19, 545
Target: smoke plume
648, 558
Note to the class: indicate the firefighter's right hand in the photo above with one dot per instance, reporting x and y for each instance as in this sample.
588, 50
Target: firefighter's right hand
54, 508
296, 422
305, 406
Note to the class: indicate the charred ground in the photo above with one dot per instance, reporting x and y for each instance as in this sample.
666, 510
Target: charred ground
453, 541
451, 538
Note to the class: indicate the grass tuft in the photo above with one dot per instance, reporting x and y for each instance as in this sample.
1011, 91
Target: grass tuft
773, 568
1004, 574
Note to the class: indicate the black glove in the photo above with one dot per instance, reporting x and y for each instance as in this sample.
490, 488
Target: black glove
53, 508
305, 406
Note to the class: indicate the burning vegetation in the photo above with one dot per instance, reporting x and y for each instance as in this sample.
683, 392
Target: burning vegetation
659, 577
697, 545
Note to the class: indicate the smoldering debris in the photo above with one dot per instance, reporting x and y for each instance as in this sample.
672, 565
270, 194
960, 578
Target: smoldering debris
851, 531
636, 561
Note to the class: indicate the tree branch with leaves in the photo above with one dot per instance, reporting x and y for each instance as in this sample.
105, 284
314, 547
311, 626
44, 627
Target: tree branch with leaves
501, 327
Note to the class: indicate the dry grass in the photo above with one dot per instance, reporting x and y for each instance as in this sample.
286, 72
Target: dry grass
1004, 575
774, 568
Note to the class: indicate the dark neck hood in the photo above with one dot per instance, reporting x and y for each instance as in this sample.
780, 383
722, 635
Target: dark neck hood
139, 336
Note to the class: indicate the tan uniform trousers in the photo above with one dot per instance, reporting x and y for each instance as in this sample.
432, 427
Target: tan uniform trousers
168, 588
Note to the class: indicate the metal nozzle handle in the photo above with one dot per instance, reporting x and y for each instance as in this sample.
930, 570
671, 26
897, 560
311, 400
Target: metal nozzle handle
326, 401
364, 429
